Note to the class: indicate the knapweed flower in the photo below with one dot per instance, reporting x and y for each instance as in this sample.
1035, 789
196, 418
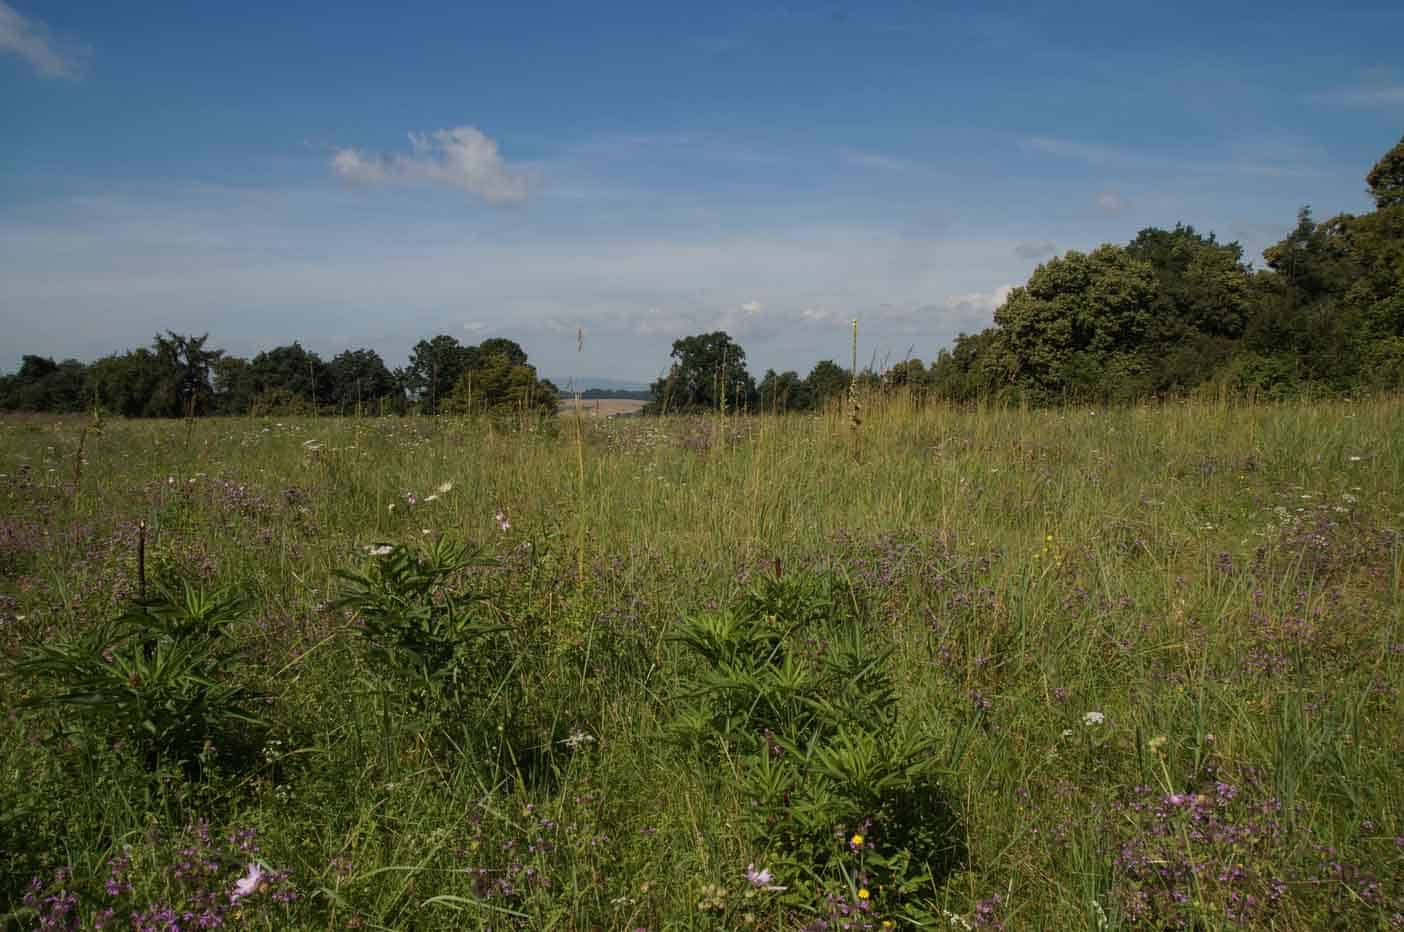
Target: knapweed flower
250, 883
1093, 718
502, 522
761, 879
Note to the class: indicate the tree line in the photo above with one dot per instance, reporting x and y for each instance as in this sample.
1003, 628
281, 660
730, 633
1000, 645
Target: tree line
182, 376
1169, 313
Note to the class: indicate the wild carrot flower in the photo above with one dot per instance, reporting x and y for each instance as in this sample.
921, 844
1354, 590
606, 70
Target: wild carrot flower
1093, 718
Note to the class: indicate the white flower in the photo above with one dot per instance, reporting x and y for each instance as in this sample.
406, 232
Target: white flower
248, 884
502, 521
577, 739
384, 550
445, 489
1093, 718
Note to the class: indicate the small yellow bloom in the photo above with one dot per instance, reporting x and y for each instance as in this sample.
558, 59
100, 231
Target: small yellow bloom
863, 893
856, 841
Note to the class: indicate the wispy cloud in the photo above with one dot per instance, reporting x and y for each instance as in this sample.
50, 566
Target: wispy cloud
868, 159
1035, 250
463, 157
32, 41
1373, 92
1080, 151
1112, 202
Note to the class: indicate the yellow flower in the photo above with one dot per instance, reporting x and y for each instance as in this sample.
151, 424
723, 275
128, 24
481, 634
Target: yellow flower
863, 893
856, 841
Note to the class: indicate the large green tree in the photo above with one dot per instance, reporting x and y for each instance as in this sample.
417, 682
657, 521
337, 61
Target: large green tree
826, 381
1077, 328
435, 367
706, 369
358, 379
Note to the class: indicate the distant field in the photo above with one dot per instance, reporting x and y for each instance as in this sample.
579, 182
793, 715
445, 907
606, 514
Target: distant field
604, 407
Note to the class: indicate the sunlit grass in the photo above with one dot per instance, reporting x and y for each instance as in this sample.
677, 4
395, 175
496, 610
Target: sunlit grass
1221, 582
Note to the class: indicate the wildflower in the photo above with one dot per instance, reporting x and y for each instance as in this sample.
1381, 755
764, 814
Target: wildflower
502, 522
250, 883
412, 498
445, 488
577, 739
856, 841
384, 550
761, 879
863, 893
1093, 718
1156, 744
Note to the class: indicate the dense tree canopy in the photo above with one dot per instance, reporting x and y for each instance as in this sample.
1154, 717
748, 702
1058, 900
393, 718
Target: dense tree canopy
707, 369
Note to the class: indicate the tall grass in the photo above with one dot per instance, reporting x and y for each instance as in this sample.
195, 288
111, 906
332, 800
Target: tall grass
1220, 583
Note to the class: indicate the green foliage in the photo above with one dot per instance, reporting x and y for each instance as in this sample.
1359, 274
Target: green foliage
165, 677
790, 689
709, 369
1386, 178
419, 620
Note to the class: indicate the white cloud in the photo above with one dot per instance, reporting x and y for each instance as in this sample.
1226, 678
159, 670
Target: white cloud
1112, 202
463, 157
753, 307
30, 40
978, 305
474, 326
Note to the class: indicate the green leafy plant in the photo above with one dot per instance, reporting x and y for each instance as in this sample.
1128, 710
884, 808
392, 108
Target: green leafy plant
163, 677
419, 618
838, 789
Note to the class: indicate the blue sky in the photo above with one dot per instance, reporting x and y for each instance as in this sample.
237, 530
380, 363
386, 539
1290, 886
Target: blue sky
356, 174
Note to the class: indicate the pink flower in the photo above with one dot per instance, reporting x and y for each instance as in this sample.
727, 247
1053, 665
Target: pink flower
502, 521
761, 879
248, 884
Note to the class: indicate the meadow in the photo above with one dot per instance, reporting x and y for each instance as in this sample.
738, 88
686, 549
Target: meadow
985, 668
